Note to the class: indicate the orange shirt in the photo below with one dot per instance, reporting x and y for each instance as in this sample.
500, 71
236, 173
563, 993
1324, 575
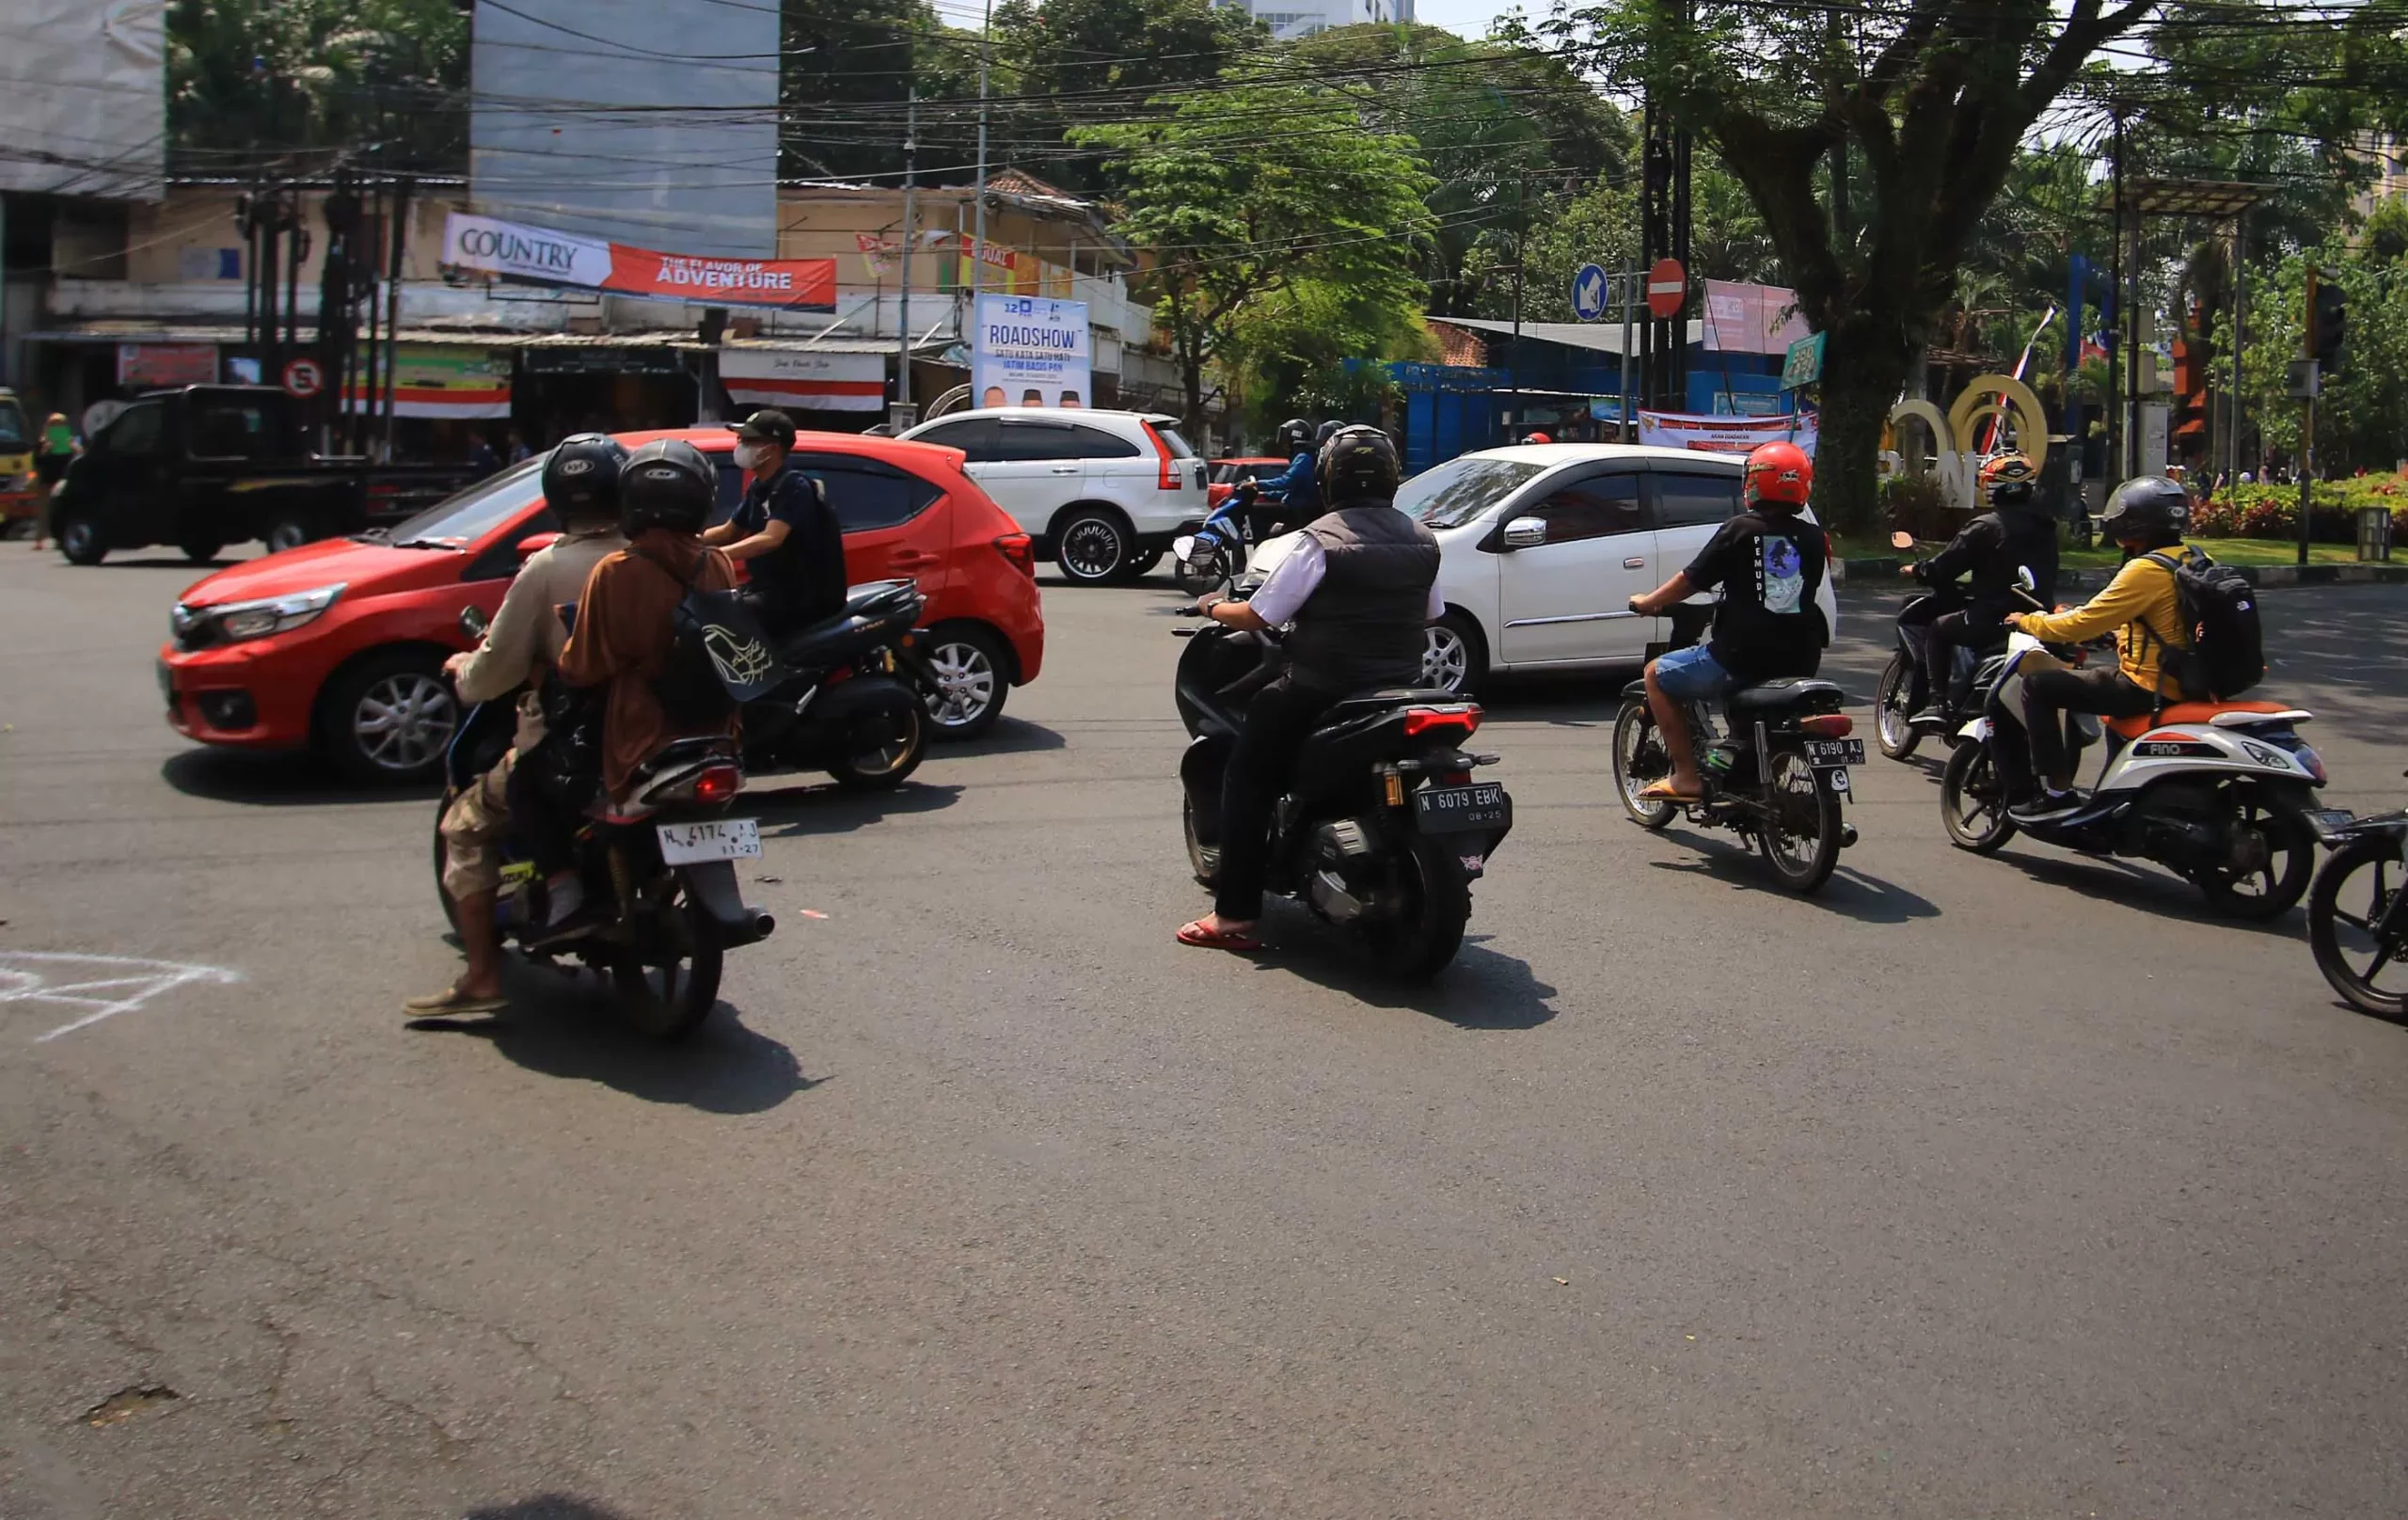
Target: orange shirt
623, 633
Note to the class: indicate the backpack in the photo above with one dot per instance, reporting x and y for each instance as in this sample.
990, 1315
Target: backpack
718, 660
2219, 606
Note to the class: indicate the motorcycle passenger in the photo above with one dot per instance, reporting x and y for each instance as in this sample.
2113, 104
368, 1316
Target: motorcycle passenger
581, 486
1768, 560
1358, 589
784, 530
2013, 534
625, 617
2145, 515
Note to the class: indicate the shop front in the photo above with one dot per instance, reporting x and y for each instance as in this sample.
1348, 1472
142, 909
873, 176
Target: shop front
560, 389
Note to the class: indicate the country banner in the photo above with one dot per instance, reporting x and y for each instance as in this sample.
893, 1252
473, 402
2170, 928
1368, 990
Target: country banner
805, 380
1718, 434
546, 257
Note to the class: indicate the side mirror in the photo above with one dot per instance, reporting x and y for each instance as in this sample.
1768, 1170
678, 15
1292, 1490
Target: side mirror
1902, 540
473, 622
1182, 546
2024, 581
1526, 533
534, 543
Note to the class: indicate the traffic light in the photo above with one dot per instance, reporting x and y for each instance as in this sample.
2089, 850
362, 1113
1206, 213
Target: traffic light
2329, 327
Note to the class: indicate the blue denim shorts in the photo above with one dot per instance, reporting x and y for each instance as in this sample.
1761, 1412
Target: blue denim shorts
1691, 675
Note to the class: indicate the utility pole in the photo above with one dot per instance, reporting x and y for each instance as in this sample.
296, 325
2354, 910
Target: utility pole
402, 189
910, 186
2116, 440
2239, 318
2307, 413
978, 252
1521, 243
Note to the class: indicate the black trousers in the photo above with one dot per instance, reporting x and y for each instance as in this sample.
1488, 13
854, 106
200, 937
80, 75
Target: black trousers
1281, 716
2049, 695
543, 816
1938, 642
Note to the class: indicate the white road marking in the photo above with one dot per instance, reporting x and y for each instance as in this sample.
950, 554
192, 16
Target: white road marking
130, 981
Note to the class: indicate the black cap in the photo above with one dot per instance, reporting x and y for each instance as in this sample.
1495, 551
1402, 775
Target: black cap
767, 425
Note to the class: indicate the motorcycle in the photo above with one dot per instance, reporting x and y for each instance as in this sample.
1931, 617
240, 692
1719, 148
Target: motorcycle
662, 873
1775, 769
1382, 829
1213, 556
2219, 793
1903, 690
2357, 911
841, 706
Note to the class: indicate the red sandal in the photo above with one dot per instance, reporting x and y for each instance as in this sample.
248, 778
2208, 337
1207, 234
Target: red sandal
1197, 934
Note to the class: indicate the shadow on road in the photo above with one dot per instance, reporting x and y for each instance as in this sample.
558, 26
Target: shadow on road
1010, 735
1850, 893
282, 780
2134, 885
794, 812
563, 1025
1480, 990
547, 1507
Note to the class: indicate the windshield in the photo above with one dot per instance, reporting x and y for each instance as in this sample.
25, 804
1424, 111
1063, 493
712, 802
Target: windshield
1173, 441
1459, 490
12, 427
458, 521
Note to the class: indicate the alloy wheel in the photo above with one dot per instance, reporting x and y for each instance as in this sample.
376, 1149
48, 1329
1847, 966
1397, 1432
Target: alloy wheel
404, 720
1090, 551
1445, 660
965, 684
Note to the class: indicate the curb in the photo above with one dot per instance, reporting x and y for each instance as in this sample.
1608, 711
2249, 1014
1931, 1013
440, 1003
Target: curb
1877, 571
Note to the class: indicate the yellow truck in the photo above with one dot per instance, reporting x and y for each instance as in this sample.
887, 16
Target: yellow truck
21, 491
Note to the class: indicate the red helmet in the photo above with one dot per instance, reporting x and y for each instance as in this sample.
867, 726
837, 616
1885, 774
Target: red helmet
1778, 472
1538, 437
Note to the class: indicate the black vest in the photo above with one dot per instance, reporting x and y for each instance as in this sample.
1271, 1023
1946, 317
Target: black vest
1361, 628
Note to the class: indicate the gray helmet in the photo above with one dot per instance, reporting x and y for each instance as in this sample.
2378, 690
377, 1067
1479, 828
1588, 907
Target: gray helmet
1328, 430
2147, 509
581, 478
667, 485
1358, 464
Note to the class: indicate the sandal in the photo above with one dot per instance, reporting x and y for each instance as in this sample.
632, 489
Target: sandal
1661, 791
1197, 935
452, 1000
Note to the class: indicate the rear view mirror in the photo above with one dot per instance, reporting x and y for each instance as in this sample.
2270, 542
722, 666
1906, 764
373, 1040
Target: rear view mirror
1182, 548
1902, 540
2024, 581
534, 543
473, 620
1526, 533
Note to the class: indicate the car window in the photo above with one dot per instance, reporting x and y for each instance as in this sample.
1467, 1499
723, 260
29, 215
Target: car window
1174, 440
731, 487
974, 435
459, 520
1453, 494
136, 432
869, 493
12, 426
1593, 508
1024, 439
232, 430
1095, 443
1690, 500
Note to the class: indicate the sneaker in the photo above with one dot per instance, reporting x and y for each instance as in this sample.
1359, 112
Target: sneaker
1928, 718
2047, 806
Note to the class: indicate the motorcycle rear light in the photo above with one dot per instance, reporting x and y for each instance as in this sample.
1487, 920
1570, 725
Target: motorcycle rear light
1395, 788
1827, 725
1170, 480
718, 785
1016, 548
1463, 717
1456, 778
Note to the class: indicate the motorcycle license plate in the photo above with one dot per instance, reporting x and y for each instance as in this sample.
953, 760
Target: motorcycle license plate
1450, 809
1825, 754
720, 839
2329, 822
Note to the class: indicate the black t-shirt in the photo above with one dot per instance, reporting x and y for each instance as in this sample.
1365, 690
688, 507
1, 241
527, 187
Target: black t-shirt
1770, 567
802, 580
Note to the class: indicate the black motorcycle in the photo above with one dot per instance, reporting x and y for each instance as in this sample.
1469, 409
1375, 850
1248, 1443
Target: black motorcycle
1775, 770
1904, 692
2357, 911
1382, 829
851, 703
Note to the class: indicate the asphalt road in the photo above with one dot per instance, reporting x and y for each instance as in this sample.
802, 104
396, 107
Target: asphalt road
1969, 1188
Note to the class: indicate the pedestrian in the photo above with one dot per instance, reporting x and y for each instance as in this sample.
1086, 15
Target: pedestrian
56, 447
518, 450
480, 454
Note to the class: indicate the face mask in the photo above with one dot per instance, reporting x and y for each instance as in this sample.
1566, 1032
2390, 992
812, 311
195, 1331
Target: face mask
750, 456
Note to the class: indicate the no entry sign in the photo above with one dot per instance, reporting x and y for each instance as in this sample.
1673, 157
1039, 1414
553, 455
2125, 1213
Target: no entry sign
302, 378
1668, 287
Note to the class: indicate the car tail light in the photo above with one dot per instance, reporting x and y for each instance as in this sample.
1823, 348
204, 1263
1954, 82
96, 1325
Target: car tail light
1170, 480
1827, 725
1463, 718
1015, 548
718, 785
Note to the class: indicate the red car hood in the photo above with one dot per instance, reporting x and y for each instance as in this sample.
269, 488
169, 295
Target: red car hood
363, 569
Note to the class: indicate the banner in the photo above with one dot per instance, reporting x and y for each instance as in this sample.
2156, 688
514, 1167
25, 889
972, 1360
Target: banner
163, 366
1751, 319
805, 380
440, 381
1030, 352
1724, 434
549, 258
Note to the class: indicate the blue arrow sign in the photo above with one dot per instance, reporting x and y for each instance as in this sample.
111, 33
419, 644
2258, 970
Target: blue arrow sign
1589, 293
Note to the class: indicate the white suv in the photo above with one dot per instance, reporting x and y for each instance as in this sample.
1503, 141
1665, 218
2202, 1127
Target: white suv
1543, 545
1102, 493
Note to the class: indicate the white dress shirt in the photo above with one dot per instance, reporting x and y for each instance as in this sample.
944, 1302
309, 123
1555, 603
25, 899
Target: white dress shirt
1283, 593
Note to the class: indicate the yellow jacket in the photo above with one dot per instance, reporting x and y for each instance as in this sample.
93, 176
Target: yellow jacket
2140, 604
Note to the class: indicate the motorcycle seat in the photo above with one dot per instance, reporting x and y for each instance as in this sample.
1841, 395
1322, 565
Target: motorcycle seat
1369, 702
1787, 692
2191, 712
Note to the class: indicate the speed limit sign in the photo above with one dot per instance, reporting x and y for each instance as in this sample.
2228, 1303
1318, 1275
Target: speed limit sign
302, 378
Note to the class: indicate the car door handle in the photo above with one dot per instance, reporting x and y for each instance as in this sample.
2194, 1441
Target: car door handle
1636, 561
1068, 470
914, 557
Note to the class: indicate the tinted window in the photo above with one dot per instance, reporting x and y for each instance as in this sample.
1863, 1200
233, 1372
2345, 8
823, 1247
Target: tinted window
868, 493
1174, 440
1591, 509
135, 431
1689, 501
731, 488
974, 435
460, 520
12, 425
1459, 490
1095, 443
232, 430
1039, 440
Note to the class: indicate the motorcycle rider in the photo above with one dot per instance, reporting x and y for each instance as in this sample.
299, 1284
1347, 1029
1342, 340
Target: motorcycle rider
1358, 589
1299, 490
1768, 560
2145, 515
581, 483
2013, 534
785, 529
625, 620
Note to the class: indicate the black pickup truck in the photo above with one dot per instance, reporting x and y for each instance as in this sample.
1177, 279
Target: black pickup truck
209, 466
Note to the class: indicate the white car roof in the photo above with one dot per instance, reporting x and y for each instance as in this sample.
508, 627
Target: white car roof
1547, 455
1051, 414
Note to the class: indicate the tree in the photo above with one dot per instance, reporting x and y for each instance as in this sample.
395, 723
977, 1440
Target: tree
2362, 416
844, 81
1932, 99
248, 78
1598, 225
1247, 195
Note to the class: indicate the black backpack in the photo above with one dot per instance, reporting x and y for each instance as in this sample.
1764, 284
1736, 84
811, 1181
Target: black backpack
719, 658
2219, 606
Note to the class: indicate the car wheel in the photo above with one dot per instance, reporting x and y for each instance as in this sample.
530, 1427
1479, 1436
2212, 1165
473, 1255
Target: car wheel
199, 551
1454, 658
969, 665
82, 538
387, 721
1091, 547
1145, 562
289, 531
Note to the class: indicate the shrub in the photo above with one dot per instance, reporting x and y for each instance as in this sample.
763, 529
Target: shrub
2272, 511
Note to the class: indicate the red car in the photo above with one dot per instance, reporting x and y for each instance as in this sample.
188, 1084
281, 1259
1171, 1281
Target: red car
340, 644
1227, 472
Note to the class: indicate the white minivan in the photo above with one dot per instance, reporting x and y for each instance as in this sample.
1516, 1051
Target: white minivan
1102, 493
1543, 545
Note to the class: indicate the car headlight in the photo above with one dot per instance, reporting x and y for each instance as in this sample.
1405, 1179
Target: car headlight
237, 621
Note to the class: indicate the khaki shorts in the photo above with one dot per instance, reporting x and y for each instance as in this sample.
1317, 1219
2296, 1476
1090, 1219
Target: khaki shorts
472, 830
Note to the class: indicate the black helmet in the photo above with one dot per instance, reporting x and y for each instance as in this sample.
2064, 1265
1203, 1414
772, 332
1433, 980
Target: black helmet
667, 485
1296, 433
581, 478
2147, 509
1359, 463
1328, 430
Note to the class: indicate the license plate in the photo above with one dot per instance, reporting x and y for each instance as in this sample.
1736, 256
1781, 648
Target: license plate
1824, 754
2327, 822
1446, 809
722, 839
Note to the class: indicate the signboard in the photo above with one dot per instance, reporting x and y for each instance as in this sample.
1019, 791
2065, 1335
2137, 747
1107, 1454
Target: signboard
1030, 351
159, 366
1725, 434
1668, 287
1743, 318
442, 380
1804, 365
545, 256
302, 378
1589, 293
805, 380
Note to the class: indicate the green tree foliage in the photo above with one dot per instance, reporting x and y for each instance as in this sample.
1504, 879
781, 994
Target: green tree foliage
1246, 196
1598, 225
248, 78
847, 70
2362, 416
